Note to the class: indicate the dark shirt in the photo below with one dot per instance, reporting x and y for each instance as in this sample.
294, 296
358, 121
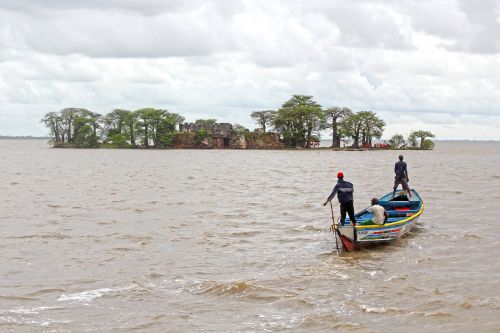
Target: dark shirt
344, 189
400, 170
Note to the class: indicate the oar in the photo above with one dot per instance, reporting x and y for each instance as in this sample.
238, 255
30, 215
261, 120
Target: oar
334, 228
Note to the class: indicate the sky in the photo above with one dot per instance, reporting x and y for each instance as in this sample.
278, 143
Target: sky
419, 64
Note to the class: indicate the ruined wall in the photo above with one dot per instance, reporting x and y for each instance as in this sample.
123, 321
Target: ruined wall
184, 140
258, 140
222, 136
223, 129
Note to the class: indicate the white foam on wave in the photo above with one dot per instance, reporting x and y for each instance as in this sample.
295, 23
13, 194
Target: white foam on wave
368, 309
8, 320
90, 295
26, 311
340, 275
85, 296
28, 315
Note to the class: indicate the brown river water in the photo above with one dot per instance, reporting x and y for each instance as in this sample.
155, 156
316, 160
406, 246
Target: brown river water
238, 241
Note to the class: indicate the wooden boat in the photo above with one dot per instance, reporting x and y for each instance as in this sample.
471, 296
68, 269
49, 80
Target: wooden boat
403, 214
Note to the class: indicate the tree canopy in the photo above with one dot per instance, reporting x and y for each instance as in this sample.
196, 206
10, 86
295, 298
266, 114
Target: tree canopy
397, 141
263, 118
421, 135
362, 127
334, 117
297, 120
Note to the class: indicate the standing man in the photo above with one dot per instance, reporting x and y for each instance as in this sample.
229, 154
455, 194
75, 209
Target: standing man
345, 191
401, 176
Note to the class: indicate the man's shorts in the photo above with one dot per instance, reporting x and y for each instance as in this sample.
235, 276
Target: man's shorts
403, 183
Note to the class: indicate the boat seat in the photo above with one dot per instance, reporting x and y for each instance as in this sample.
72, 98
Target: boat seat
398, 203
395, 213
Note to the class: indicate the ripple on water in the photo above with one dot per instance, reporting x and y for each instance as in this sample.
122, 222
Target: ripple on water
43, 236
240, 289
311, 228
88, 296
379, 310
44, 291
246, 233
16, 298
471, 235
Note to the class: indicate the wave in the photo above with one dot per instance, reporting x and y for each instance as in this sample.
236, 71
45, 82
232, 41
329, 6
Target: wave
439, 314
27, 310
238, 289
54, 206
16, 298
85, 296
123, 249
379, 310
307, 227
493, 303
245, 233
43, 236
471, 235
229, 288
318, 322
45, 291
89, 295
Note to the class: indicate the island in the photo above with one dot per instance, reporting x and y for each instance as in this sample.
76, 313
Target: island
297, 124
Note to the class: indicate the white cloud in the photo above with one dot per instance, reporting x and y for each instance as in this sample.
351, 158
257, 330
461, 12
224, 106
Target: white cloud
435, 63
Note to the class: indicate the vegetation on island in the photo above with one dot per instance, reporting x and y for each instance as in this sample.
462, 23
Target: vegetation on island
298, 123
419, 139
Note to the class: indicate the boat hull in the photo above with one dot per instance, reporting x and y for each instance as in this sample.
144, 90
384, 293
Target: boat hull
354, 238
373, 236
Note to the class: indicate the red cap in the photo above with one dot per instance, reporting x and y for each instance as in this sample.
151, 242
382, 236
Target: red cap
340, 175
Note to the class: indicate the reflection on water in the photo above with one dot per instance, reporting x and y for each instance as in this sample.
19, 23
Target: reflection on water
185, 240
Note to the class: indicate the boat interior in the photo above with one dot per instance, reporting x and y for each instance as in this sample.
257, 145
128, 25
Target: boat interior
400, 207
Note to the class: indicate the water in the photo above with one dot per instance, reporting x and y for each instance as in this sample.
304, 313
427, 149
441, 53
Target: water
222, 241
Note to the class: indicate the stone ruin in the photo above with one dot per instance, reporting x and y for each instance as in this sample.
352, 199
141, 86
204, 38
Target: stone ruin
223, 129
222, 135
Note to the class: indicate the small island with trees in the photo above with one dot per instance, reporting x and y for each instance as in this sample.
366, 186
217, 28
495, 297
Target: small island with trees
298, 123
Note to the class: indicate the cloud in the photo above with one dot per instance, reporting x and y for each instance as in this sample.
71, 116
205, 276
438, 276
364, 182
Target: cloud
116, 35
484, 19
225, 59
467, 26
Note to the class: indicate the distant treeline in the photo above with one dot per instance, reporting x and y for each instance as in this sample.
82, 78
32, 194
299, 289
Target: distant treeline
299, 121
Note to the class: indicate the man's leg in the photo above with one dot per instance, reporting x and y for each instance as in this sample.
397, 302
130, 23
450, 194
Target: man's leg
350, 211
404, 183
342, 214
396, 183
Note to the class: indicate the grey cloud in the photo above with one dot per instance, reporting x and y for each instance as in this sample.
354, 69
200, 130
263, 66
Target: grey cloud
463, 26
49, 68
484, 18
439, 18
115, 35
367, 26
